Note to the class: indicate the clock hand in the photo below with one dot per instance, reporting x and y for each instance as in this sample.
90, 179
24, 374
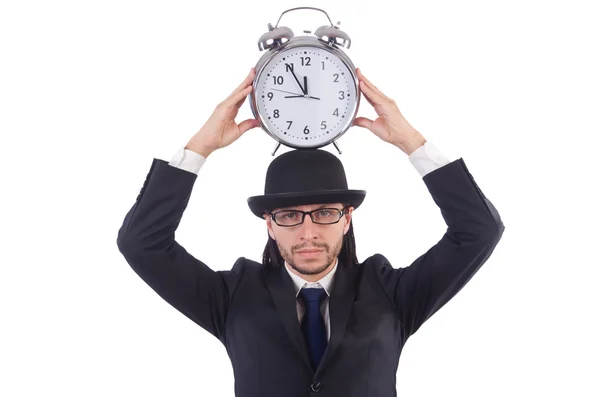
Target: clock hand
289, 92
302, 96
296, 95
306, 89
296, 78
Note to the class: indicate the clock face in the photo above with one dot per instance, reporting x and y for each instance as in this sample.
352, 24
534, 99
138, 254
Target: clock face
306, 96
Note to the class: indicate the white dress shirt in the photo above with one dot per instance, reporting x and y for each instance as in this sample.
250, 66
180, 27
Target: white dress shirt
325, 283
425, 159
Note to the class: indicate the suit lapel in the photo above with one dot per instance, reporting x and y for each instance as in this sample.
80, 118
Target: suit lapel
340, 305
342, 296
282, 290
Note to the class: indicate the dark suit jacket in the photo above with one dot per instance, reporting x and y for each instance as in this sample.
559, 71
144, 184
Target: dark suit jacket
374, 307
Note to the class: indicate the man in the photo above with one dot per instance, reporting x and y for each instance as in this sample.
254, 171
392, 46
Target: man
310, 318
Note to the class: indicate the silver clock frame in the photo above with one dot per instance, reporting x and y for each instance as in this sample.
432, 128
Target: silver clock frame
304, 41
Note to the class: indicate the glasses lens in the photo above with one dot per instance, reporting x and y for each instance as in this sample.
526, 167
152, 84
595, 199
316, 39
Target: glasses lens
288, 218
326, 215
323, 216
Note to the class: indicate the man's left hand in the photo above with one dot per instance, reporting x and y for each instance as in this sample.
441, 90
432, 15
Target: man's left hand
390, 126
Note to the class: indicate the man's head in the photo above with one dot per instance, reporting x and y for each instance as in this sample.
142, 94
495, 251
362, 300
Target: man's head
310, 237
305, 180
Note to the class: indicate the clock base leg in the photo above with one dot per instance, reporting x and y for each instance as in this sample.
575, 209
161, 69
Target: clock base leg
336, 146
276, 147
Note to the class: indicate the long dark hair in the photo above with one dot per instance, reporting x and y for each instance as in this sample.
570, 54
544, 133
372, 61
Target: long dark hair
272, 258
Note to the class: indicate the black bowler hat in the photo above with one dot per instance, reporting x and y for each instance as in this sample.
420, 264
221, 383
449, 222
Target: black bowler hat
302, 177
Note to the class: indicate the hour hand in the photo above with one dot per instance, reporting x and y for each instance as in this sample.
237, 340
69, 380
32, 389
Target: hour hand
295, 94
302, 96
306, 89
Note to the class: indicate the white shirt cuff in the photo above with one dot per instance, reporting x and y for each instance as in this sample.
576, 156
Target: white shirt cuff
188, 160
427, 158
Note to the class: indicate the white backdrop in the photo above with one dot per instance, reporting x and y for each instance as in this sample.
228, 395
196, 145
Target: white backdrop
91, 92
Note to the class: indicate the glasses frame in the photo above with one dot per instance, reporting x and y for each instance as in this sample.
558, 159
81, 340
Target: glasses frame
341, 212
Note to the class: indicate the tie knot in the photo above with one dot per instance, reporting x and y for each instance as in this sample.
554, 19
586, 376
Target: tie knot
312, 295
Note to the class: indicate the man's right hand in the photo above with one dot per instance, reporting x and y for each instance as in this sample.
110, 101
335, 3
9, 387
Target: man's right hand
221, 129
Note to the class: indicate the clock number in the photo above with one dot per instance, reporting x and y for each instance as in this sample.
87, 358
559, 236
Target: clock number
337, 76
289, 125
323, 125
323, 63
276, 113
307, 61
336, 112
289, 67
306, 130
342, 95
277, 80
270, 95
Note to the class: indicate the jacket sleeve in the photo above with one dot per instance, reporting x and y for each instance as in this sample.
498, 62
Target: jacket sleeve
474, 230
147, 241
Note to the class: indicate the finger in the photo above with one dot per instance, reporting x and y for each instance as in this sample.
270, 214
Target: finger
248, 124
363, 122
366, 97
236, 100
248, 80
241, 101
373, 97
371, 85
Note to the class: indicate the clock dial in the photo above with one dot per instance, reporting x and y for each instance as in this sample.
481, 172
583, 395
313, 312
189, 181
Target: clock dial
306, 95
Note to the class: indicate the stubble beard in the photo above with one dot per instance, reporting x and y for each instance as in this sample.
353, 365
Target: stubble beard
308, 269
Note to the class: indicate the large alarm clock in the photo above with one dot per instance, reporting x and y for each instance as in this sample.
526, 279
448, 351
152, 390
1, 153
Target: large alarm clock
306, 91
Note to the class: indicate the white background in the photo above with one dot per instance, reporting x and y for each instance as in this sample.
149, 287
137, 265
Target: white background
91, 92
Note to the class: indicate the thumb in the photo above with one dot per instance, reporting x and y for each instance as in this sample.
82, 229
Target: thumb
248, 124
363, 122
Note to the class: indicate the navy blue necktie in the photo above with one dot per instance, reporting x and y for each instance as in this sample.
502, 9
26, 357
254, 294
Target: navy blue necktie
313, 325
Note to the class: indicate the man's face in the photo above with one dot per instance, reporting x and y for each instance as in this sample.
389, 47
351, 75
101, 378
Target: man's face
324, 240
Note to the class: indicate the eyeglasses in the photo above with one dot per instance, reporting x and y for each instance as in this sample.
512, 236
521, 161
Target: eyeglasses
321, 216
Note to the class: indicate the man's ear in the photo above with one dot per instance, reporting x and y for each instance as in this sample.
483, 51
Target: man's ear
269, 225
348, 219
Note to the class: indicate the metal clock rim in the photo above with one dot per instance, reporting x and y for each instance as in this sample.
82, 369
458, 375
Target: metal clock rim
304, 41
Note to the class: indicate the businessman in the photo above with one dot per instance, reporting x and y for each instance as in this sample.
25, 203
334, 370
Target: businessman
310, 319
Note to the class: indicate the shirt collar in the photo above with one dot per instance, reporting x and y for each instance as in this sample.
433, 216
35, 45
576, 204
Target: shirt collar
325, 282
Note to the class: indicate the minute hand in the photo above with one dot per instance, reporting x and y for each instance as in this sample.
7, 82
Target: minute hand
297, 81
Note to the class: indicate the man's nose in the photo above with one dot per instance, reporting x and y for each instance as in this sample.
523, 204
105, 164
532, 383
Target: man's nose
307, 227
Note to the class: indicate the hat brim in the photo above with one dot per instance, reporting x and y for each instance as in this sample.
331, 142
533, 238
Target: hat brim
261, 204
